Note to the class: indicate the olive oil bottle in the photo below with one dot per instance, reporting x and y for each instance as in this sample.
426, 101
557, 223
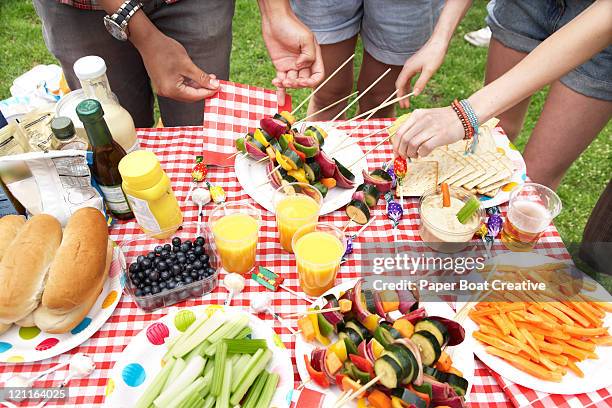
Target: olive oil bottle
106, 157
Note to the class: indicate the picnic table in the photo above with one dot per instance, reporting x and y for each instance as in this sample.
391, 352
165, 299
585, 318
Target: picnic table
236, 109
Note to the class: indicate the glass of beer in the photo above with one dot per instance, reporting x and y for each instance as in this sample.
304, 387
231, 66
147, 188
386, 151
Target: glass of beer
530, 212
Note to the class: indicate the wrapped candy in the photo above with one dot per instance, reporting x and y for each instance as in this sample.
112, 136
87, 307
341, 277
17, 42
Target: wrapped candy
394, 210
389, 169
217, 193
199, 172
495, 222
273, 281
400, 167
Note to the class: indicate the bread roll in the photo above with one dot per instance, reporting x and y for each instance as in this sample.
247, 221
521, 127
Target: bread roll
27, 321
9, 227
51, 321
24, 267
79, 266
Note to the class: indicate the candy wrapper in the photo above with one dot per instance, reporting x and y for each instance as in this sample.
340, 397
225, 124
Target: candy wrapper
495, 221
389, 169
267, 278
216, 193
199, 172
394, 210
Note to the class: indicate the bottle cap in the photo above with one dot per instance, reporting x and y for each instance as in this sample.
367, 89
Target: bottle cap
89, 110
140, 169
62, 127
89, 67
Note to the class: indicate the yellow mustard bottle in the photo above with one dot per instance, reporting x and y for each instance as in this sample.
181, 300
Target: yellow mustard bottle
150, 194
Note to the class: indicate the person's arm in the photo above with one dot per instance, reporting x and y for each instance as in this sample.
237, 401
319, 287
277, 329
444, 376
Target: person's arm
576, 42
172, 72
429, 58
293, 49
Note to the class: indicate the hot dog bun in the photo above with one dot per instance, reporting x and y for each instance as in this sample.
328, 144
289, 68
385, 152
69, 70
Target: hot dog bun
24, 267
9, 227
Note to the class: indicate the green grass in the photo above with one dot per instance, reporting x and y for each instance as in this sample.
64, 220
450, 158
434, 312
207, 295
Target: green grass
22, 47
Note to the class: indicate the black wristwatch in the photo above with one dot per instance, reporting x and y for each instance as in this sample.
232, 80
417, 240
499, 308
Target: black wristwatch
117, 24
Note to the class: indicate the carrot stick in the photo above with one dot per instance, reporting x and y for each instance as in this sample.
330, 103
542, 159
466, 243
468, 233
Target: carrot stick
558, 314
445, 195
571, 313
532, 342
552, 348
584, 345
504, 308
492, 330
523, 364
572, 366
602, 341
492, 341
587, 312
572, 351
499, 322
581, 331
559, 359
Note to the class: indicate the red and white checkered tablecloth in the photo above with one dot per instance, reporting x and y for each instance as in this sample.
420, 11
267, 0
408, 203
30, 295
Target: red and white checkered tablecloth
236, 109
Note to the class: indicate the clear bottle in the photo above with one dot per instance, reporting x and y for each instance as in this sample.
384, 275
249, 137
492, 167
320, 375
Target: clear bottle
91, 71
107, 154
63, 130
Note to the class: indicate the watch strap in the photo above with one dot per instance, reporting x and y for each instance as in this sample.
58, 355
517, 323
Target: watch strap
125, 12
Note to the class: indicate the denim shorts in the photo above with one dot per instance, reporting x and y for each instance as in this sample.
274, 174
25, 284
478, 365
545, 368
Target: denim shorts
391, 30
523, 24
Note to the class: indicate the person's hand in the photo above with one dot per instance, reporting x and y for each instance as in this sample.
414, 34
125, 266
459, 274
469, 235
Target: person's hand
173, 73
426, 61
425, 130
294, 52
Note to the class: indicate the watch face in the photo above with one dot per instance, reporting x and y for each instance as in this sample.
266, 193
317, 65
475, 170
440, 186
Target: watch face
114, 29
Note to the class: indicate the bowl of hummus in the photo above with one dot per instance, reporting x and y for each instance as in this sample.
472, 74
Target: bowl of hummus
440, 228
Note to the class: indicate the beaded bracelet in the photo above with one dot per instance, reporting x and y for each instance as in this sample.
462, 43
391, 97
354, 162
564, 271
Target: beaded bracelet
465, 122
471, 115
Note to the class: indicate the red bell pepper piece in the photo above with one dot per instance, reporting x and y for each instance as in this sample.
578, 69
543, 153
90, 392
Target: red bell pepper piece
318, 377
300, 154
362, 364
339, 378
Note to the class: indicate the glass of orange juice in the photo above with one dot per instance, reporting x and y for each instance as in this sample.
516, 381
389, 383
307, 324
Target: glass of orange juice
295, 205
318, 251
235, 227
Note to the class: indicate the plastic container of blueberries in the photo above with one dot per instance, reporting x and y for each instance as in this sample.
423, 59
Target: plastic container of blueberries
143, 244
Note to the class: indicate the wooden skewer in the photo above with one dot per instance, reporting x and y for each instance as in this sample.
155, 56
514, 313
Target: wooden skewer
311, 312
348, 223
293, 292
339, 147
384, 105
263, 159
352, 132
322, 84
370, 151
360, 95
366, 225
326, 108
267, 177
357, 393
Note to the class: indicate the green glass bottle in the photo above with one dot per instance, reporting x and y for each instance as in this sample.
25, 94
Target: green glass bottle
106, 157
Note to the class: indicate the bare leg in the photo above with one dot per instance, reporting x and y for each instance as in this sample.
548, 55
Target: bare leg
568, 124
500, 60
371, 69
340, 85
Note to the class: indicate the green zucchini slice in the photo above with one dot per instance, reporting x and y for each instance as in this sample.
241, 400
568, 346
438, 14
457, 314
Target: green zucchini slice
371, 194
358, 211
438, 329
389, 371
428, 346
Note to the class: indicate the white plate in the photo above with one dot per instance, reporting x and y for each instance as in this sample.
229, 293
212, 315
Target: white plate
518, 177
251, 174
597, 373
463, 359
24, 345
140, 361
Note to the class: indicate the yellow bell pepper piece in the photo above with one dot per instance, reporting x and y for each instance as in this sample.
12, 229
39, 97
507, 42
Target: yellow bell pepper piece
261, 138
315, 325
299, 175
280, 159
339, 349
377, 348
362, 403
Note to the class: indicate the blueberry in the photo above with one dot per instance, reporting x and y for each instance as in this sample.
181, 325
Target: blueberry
185, 247
134, 267
151, 255
192, 257
179, 284
181, 259
188, 280
162, 266
167, 247
165, 275
204, 258
162, 285
158, 249
139, 292
146, 263
211, 271
140, 275
176, 269
176, 241
155, 289
175, 249
140, 258
200, 241
154, 276
165, 254
188, 268
198, 250
147, 290
171, 285
172, 256
148, 281
194, 275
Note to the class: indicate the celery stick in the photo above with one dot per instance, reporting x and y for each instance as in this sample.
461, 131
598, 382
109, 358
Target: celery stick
223, 400
191, 400
178, 367
207, 382
249, 366
209, 402
198, 351
251, 376
156, 386
186, 377
183, 394
240, 364
230, 331
244, 333
202, 333
185, 335
244, 346
255, 390
268, 391
217, 380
